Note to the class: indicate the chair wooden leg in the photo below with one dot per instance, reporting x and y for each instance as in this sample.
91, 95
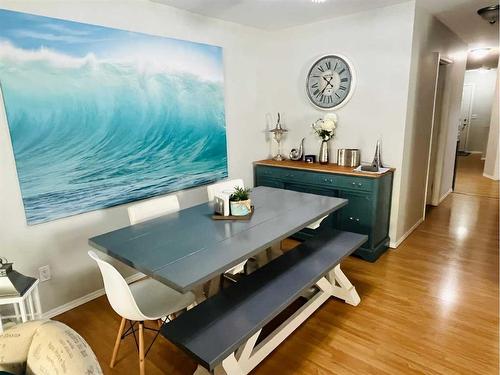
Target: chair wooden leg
117, 342
141, 348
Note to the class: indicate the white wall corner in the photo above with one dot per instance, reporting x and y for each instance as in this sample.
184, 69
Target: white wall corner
491, 177
443, 197
395, 244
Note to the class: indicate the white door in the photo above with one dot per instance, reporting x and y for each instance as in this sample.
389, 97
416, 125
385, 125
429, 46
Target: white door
465, 113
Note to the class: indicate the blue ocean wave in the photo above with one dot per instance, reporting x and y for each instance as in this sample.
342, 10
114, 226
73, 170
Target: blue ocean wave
102, 133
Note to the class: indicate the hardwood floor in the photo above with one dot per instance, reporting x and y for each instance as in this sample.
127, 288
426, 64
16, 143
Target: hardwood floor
470, 179
430, 306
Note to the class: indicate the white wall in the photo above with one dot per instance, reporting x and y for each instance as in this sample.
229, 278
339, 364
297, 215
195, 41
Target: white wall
431, 38
264, 72
378, 43
63, 243
482, 103
492, 162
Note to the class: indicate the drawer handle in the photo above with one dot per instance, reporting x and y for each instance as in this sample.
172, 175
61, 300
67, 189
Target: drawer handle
331, 179
360, 184
325, 179
354, 183
357, 219
351, 218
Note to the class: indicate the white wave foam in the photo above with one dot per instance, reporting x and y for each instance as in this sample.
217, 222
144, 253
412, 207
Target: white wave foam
143, 62
18, 55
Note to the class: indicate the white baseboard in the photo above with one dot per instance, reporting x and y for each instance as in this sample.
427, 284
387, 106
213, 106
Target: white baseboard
445, 195
395, 244
84, 299
490, 177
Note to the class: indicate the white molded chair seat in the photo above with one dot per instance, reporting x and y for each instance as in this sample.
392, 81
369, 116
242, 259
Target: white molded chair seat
145, 299
156, 300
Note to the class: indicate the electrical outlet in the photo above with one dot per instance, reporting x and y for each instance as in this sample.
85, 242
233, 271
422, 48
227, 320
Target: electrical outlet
44, 272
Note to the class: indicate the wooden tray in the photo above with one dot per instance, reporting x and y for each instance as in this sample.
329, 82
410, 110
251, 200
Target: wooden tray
231, 217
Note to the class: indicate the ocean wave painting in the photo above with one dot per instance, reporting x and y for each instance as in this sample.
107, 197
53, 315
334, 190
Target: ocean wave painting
100, 117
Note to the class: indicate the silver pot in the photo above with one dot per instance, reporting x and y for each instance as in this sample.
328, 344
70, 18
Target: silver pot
349, 157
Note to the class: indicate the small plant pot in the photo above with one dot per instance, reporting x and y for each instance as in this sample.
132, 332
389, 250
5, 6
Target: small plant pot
240, 208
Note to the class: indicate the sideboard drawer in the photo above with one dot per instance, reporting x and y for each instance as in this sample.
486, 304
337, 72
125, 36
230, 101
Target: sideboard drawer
345, 182
268, 172
356, 183
285, 174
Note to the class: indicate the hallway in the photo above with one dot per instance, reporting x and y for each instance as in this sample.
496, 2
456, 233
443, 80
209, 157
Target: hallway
430, 306
470, 179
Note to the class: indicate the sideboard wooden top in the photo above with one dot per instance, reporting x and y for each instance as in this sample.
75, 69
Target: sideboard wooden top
316, 167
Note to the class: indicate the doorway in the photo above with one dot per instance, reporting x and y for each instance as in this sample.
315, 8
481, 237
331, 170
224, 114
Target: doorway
465, 118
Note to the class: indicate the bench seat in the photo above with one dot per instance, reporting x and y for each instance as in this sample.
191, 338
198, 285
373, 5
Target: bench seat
213, 330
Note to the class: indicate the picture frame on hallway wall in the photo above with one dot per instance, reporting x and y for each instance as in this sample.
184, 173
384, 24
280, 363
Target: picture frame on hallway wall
100, 117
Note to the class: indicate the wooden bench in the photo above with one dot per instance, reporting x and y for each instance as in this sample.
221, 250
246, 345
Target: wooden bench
221, 333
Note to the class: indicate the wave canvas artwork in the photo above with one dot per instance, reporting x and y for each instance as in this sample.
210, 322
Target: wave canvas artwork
100, 117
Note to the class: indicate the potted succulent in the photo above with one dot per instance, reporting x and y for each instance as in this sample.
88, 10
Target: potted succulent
240, 202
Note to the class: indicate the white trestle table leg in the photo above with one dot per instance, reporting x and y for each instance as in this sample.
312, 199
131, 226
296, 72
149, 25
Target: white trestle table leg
249, 355
342, 287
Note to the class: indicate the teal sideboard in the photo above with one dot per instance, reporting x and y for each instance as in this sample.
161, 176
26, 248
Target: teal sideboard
369, 197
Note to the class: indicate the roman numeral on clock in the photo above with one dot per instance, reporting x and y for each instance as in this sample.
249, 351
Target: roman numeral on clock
344, 80
314, 85
328, 65
320, 68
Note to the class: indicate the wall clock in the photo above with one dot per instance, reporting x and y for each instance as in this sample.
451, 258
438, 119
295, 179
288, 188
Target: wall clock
330, 82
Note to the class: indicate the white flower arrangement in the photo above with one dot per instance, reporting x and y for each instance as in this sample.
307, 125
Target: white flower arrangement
325, 127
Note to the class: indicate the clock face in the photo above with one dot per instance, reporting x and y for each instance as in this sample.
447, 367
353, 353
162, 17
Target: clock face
330, 82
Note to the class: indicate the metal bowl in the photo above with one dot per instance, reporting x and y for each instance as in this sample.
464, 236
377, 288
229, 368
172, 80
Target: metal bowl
349, 157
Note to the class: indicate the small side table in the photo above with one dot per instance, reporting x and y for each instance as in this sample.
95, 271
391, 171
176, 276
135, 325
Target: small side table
26, 306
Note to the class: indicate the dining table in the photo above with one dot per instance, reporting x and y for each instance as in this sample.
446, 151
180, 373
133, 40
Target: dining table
188, 248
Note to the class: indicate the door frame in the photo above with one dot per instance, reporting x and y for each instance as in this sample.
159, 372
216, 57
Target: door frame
469, 112
439, 60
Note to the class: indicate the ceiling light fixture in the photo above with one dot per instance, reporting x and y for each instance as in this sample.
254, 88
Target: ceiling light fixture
490, 13
318, 1
479, 53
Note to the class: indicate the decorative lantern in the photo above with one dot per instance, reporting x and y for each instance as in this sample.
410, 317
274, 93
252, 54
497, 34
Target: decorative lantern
278, 133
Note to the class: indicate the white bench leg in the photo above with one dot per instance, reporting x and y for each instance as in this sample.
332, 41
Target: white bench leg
231, 366
342, 287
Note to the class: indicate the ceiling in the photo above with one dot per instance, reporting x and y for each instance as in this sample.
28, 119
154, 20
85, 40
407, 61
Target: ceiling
459, 15
276, 14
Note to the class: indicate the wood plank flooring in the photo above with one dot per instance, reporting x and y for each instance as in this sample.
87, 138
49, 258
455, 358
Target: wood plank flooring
428, 307
470, 179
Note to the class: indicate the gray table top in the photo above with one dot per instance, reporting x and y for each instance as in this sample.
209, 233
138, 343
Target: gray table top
188, 248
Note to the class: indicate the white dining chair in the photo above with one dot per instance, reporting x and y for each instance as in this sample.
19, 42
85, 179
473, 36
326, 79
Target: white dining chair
220, 187
152, 208
223, 186
144, 300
